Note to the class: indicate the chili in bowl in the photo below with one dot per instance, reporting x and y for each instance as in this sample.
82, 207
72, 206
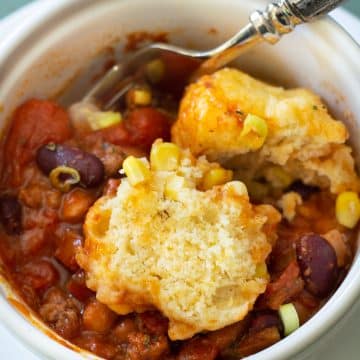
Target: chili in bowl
69, 171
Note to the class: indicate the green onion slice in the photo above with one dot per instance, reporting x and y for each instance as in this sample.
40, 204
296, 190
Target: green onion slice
64, 177
289, 318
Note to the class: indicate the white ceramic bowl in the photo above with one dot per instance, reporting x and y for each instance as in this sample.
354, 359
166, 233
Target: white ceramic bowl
54, 44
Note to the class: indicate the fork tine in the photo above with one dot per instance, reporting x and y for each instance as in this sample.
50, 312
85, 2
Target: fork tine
128, 84
116, 81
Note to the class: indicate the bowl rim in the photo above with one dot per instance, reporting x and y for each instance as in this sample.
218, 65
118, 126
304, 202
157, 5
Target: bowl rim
306, 335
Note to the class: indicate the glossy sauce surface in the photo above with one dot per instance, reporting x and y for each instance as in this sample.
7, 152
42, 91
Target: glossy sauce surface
42, 228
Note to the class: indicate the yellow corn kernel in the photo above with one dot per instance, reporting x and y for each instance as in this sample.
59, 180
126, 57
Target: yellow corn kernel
155, 71
237, 187
255, 130
103, 119
164, 156
141, 97
278, 177
136, 170
217, 176
174, 185
348, 209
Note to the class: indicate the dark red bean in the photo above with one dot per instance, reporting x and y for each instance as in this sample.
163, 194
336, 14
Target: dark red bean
318, 264
10, 214
265, 319
90, 168
305, 191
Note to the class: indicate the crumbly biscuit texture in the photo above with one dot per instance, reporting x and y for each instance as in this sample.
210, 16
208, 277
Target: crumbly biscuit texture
302, 137
198, 256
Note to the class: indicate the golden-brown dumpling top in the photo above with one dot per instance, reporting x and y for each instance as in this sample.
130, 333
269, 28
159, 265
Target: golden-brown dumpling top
300, 136
169, 240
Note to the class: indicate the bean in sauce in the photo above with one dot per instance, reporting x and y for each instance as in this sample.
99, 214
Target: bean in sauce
41, 228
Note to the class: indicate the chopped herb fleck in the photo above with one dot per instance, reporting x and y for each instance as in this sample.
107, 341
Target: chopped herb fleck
315, 107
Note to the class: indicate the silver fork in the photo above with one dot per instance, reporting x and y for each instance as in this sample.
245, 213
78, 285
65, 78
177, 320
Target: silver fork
269, 25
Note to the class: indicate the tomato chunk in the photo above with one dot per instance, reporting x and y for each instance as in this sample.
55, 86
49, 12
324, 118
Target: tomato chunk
34, 123
285, 288
141, 128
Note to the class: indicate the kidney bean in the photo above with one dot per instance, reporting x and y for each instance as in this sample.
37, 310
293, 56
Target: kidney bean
318, 264
90, 168
305, 191
10, 214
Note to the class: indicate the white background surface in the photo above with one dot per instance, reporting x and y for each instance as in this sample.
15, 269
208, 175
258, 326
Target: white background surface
340, 345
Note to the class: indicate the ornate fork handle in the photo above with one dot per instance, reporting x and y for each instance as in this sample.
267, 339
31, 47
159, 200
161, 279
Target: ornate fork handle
281, 17
277, 19
309, 10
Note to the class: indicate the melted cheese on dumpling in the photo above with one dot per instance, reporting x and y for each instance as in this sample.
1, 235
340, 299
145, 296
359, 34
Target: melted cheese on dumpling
199, 259
303, 139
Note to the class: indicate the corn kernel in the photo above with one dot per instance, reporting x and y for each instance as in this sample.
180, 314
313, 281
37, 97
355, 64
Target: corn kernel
141, 97
238, 187
173, 187
218, 176
255, 130
101, 119
136, 170
348, 209
278, 177
164, 156
155, 71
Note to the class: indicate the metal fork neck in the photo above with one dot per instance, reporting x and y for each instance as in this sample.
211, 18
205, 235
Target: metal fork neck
277, 19
283, 16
